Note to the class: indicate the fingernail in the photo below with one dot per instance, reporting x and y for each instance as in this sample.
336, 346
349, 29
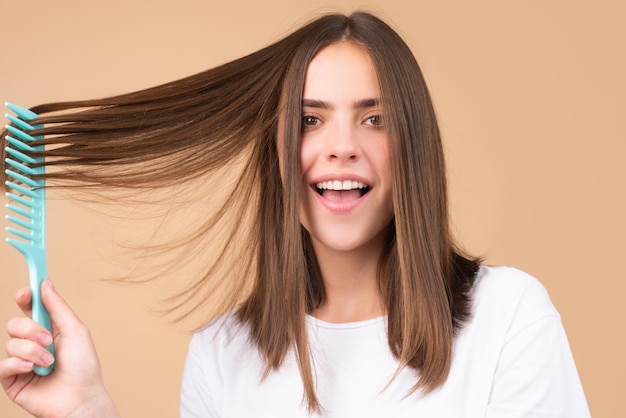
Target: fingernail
48, 283
44, 339
47, 358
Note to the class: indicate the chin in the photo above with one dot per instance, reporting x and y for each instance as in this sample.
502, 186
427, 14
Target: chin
347, 242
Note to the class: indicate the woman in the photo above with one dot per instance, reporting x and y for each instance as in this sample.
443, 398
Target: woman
361, 304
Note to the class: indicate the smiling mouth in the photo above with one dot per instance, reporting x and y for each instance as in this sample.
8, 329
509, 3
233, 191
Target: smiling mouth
339, 190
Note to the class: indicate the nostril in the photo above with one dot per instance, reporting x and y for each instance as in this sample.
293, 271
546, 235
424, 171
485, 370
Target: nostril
336, 156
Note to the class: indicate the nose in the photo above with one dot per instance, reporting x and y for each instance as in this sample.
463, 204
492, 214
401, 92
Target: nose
343, 144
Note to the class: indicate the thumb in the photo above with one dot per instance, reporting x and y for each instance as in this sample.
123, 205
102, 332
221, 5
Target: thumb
60, 312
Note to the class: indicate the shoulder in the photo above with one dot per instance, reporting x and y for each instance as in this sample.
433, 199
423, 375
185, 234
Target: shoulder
517, 337
223, 334
510, 286
217, 353
510, 298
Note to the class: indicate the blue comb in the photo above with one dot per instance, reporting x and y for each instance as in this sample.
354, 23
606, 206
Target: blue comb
27, 205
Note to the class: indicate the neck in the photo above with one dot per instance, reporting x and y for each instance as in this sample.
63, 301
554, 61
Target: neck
351, 283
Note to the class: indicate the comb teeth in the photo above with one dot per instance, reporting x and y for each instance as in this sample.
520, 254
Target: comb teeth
26, 193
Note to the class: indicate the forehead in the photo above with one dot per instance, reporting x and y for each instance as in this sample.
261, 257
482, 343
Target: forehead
343, 71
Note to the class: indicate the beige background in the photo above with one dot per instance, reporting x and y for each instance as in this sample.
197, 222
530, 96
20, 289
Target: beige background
531, 98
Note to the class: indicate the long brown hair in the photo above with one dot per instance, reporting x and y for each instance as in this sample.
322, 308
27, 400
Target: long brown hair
192, 127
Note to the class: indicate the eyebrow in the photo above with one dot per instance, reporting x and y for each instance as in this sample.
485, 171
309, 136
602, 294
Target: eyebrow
359, 104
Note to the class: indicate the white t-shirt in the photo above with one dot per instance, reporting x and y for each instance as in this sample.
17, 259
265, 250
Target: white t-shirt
512, 359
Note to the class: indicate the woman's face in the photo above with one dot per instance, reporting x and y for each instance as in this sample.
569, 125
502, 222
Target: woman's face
346, 175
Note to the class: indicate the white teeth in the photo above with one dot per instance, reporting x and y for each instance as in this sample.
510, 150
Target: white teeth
340, 185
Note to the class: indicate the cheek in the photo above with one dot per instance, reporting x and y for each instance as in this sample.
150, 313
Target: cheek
307, 159
308, 155
381, 160
386, 165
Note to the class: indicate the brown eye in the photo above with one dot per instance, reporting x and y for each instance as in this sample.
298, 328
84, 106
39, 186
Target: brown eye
309, 121
375, 120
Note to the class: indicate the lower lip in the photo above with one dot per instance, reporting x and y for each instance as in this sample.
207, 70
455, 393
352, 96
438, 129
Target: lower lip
337, 207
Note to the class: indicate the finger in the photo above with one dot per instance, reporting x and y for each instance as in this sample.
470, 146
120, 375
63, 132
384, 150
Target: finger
12, 366
26, 328
60, 312
22, 297
29, 351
